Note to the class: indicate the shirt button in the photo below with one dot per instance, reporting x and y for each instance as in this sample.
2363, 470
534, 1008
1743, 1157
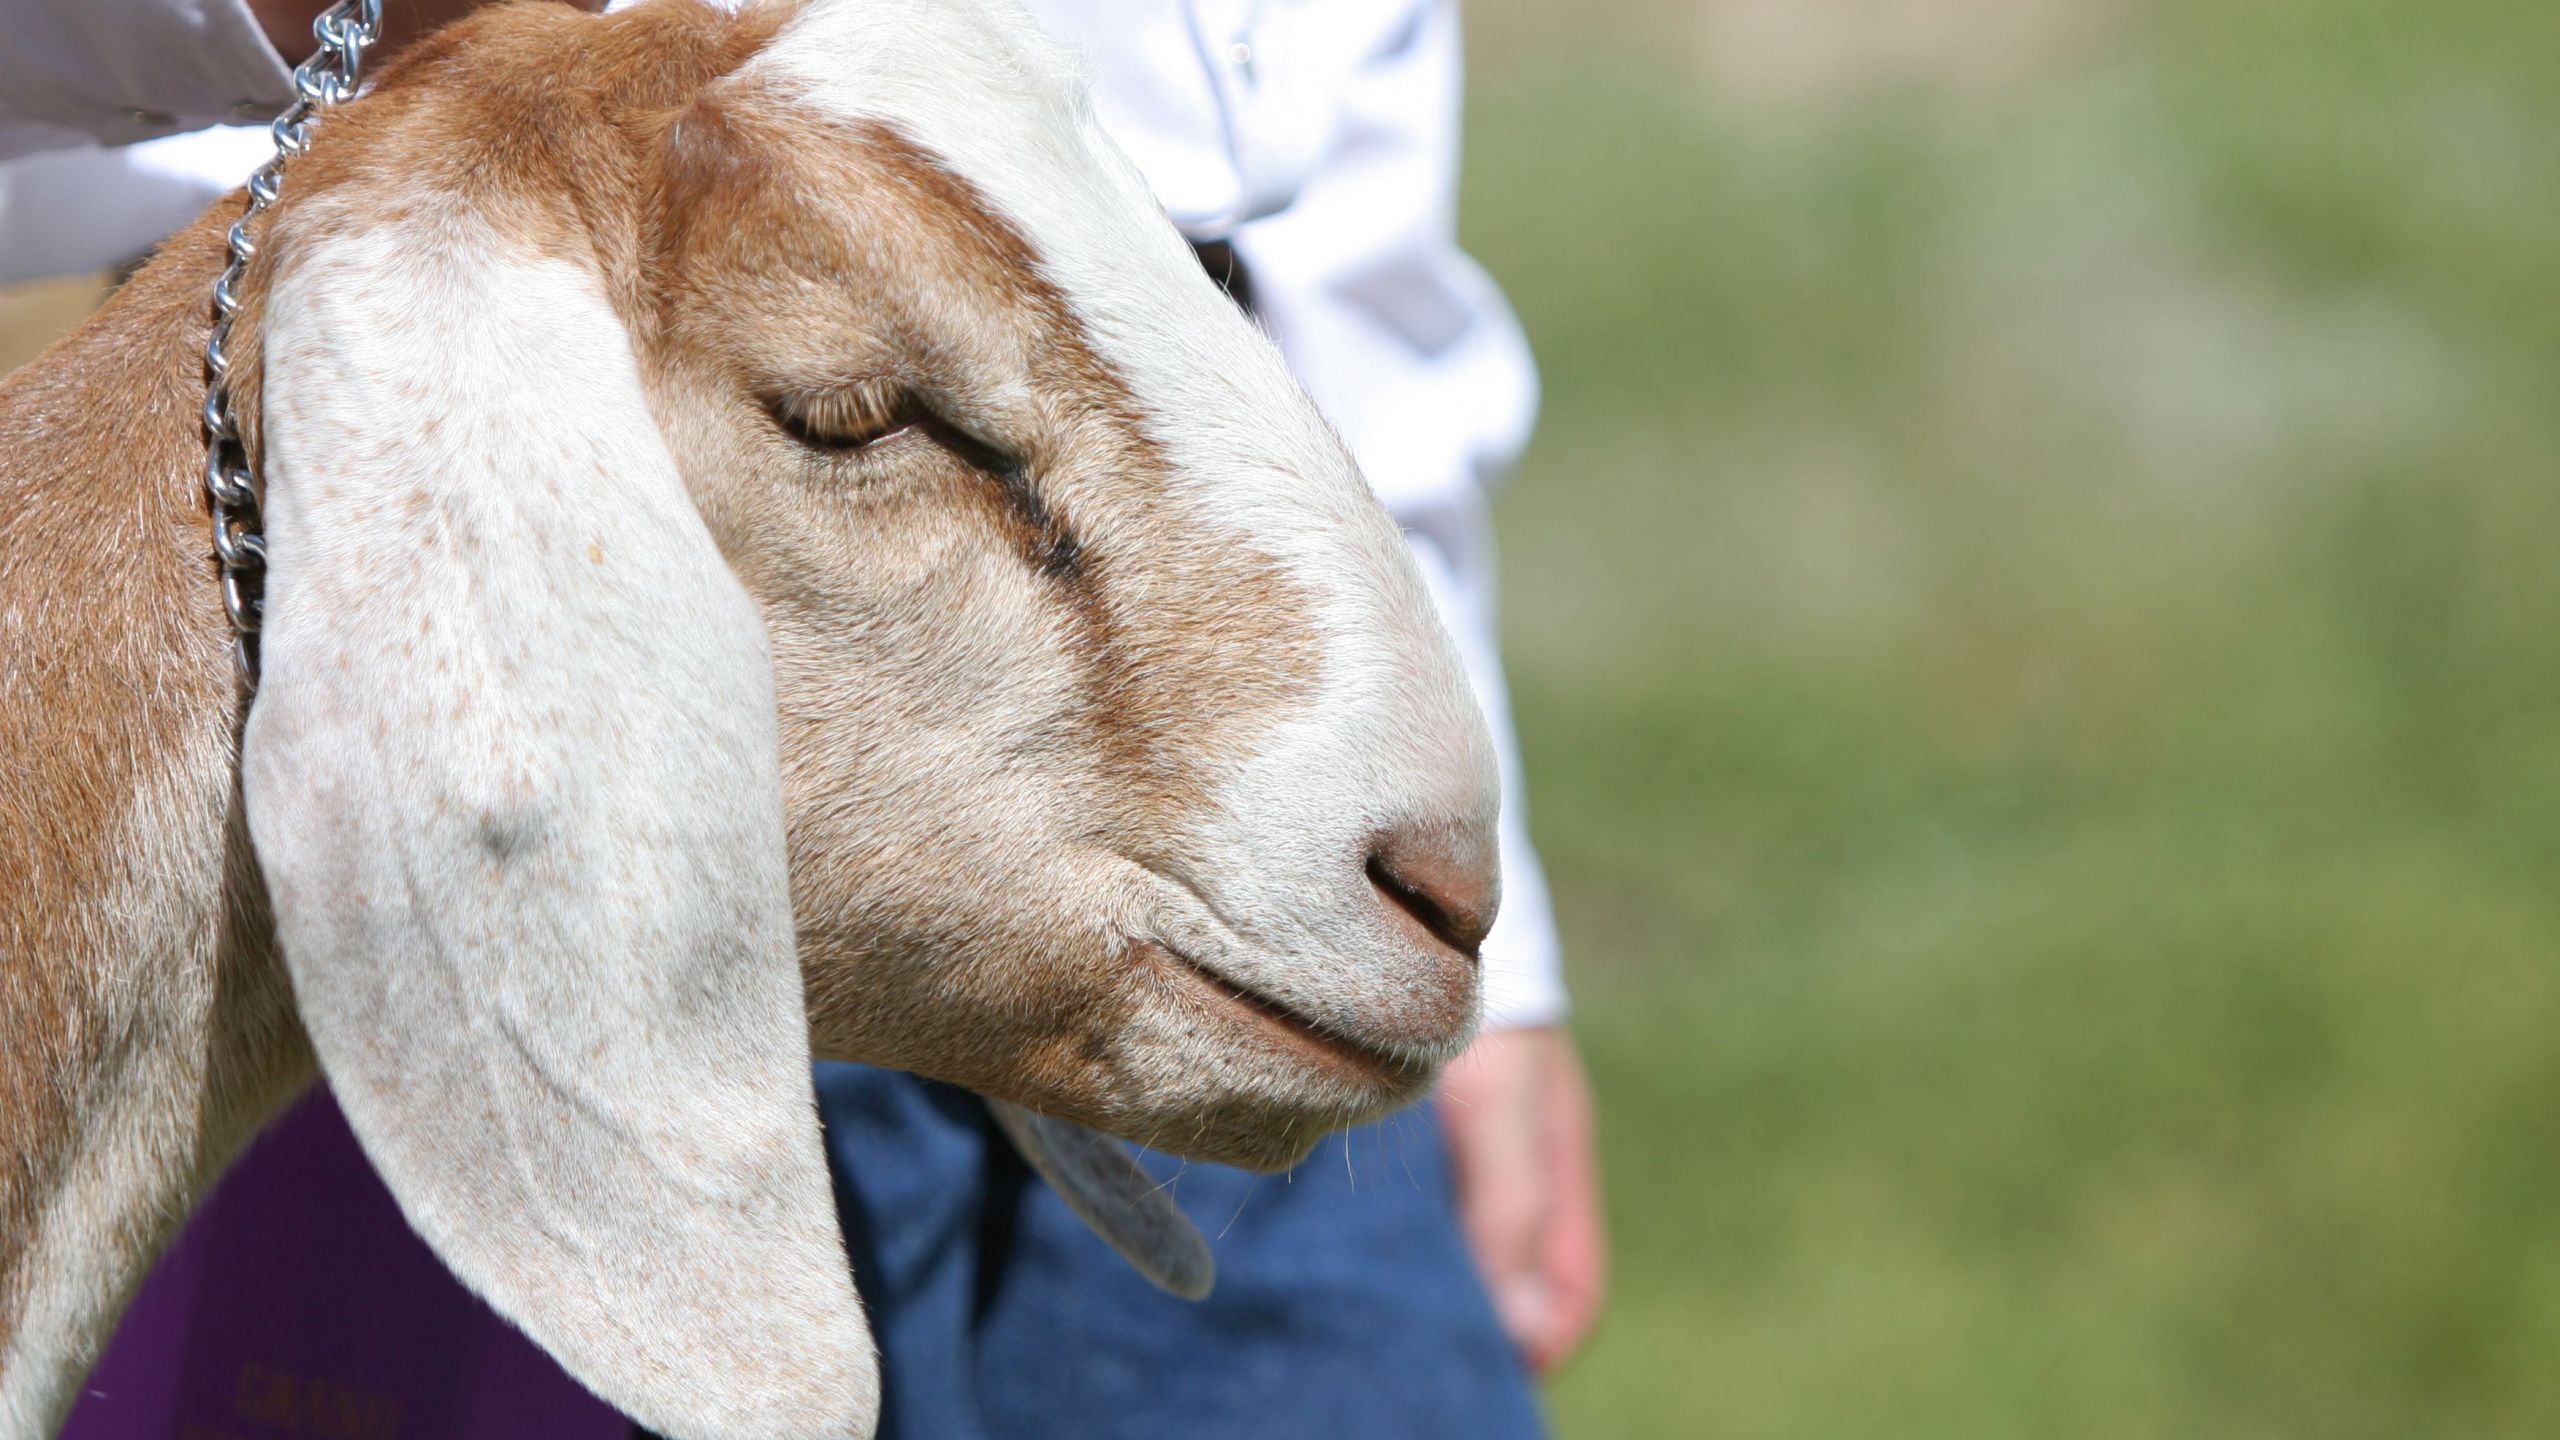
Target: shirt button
252, 109
135, 114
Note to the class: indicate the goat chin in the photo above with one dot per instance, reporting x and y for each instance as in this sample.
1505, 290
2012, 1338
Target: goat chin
775, 545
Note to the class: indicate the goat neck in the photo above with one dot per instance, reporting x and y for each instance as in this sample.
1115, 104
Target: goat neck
146, 1026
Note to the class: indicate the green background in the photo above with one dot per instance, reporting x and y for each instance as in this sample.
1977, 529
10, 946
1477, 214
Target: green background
2031, 612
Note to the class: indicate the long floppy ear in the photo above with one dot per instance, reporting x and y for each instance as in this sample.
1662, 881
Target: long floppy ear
511, 776
1107, 1189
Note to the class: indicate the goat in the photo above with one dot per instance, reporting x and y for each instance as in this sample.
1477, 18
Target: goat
777, 550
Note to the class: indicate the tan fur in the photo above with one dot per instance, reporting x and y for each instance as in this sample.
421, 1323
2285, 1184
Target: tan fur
135, 982
1008, 669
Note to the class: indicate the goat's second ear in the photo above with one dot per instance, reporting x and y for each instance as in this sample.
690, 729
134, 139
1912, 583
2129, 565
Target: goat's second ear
511, 778
1115, 1197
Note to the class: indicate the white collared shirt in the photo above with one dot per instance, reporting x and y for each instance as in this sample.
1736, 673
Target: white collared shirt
1319, 137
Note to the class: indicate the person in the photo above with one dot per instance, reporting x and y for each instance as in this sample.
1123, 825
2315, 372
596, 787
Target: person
1410, 1276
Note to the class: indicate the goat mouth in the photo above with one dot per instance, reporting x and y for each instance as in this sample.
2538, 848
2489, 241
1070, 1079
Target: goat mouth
1322, 1045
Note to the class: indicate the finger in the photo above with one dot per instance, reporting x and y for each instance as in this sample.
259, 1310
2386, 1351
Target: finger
1573, 1241
1492, 1114
1573, 1276
1504, 1212
1526, 1306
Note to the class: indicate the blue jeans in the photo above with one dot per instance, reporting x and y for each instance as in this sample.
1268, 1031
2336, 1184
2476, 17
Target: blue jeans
1347, 1306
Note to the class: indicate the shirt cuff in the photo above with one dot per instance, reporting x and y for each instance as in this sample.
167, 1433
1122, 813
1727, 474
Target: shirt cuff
90, 71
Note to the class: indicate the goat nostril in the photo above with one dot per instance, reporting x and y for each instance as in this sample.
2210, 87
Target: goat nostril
1449, 892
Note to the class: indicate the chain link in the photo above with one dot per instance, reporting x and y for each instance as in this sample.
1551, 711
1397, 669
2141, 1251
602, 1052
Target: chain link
231, 487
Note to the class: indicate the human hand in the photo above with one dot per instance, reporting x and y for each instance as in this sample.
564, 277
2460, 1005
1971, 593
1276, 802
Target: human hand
1517, 1112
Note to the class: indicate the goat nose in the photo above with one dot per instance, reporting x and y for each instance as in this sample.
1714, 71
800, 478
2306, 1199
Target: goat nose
1445, 880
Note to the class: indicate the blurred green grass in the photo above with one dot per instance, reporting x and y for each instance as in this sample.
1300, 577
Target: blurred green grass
2031, 618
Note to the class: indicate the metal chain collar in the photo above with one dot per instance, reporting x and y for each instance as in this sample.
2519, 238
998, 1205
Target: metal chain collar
239, 539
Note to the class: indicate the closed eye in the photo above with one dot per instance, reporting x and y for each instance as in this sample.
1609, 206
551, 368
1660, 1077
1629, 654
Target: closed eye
848, 417
868, 414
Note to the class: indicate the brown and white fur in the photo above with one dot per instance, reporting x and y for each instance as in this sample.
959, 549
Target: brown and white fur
777, 549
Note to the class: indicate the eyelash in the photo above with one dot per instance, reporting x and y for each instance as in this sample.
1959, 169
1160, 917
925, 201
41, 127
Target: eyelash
854, 418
